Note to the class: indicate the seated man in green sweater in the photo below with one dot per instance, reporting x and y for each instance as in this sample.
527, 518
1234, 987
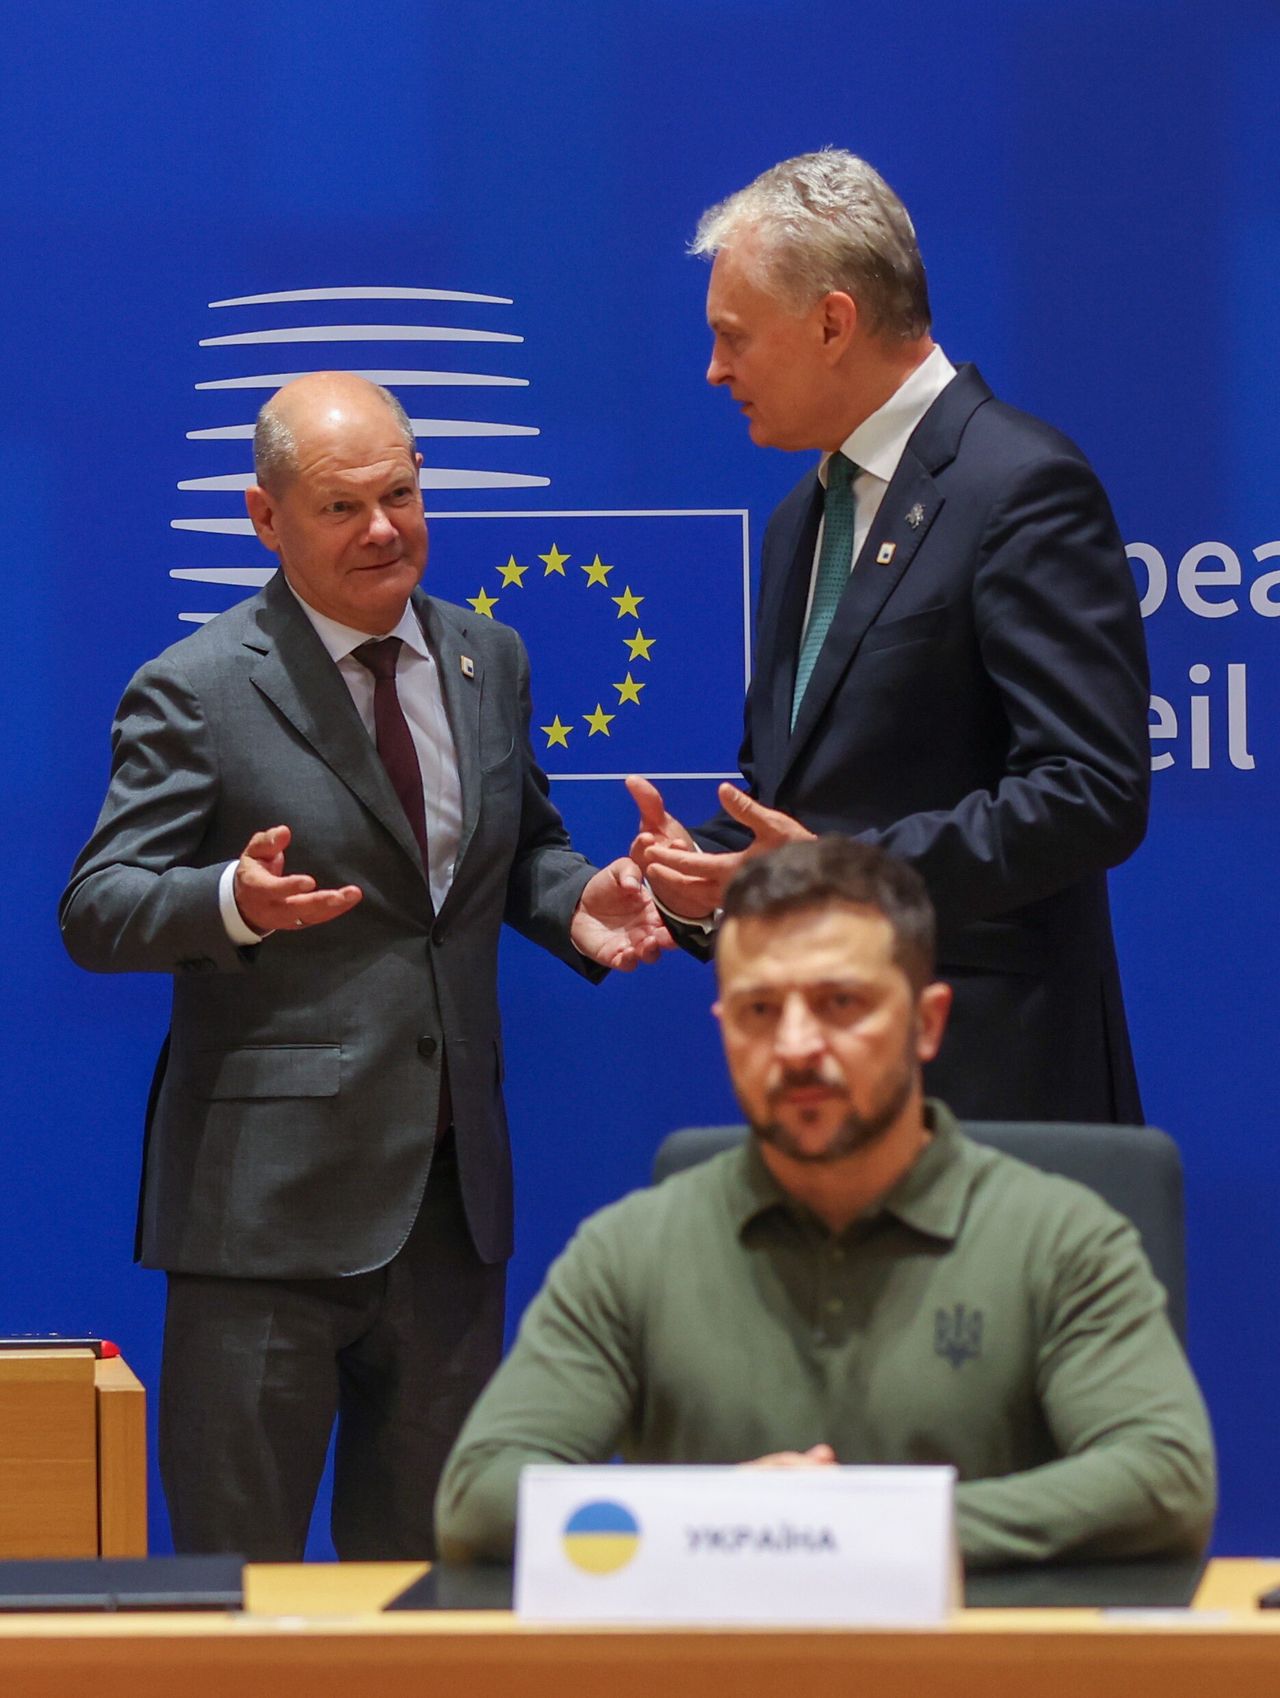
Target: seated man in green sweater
859, 1283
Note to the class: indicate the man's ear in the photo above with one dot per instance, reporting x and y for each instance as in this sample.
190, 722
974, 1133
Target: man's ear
839, 320
933, 1005
261, 509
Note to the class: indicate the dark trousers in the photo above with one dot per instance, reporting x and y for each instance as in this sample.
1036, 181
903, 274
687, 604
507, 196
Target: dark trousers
255, 1372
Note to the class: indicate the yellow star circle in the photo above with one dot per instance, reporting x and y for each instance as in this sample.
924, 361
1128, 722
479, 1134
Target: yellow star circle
628, 605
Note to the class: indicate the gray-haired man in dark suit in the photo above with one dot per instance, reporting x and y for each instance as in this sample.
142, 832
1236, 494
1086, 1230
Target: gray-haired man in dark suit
327, 1176
949, 660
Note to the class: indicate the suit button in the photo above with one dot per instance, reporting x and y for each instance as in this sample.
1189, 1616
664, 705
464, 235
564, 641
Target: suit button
427, 1047
437, 935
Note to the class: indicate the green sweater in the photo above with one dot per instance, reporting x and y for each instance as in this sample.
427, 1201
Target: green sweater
985, 1314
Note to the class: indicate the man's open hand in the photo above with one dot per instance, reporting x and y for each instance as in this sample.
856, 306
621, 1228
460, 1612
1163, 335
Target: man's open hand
269, 899
615, 922
688, 883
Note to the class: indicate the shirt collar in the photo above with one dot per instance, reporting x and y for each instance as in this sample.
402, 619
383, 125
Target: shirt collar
933, 1194
340, 639
876, 445
931, 1197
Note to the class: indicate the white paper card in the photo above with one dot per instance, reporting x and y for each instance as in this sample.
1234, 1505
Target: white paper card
827, 1546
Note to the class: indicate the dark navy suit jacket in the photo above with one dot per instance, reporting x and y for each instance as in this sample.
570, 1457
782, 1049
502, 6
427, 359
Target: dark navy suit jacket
979, 708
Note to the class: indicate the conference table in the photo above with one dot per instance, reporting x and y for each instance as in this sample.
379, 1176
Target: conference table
321, 1630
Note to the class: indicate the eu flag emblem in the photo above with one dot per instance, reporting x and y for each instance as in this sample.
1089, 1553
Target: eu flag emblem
624, 615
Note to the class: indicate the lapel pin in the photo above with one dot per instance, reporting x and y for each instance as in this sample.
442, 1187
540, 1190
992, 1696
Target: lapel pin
468, 665
915, 518
887, 551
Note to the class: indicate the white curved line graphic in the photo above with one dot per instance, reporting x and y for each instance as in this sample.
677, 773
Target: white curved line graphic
196, 618
216, 527
255, 576
441, 477
421, 427
360, 333
374, 292
232, 480
396, 379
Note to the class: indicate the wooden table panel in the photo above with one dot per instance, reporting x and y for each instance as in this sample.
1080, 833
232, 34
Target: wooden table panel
312, 1630
48, 1454
122, 1459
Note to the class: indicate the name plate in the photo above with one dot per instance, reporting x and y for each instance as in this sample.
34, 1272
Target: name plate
827, 1547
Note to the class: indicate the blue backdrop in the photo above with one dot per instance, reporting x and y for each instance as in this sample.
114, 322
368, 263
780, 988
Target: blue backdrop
1097, 191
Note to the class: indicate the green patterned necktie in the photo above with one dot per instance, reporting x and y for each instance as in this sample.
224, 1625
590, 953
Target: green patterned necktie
834, 565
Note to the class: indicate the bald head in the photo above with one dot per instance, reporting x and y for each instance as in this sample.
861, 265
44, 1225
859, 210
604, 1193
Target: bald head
321, 400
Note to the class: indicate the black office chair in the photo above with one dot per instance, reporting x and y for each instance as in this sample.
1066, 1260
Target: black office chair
1134, 1168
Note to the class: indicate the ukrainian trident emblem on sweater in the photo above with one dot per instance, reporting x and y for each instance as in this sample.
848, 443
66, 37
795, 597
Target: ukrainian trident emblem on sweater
957, 1334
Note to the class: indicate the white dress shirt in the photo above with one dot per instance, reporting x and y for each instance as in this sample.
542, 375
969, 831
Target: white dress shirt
422, 701
876, 447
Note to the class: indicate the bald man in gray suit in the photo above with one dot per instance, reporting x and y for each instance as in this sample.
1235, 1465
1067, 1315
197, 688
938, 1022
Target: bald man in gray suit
327, 1176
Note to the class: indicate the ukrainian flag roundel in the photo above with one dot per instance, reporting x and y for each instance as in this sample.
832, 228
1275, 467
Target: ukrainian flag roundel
601, 1537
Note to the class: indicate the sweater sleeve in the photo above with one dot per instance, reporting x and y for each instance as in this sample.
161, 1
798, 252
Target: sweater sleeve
1135, 1475
566, 1393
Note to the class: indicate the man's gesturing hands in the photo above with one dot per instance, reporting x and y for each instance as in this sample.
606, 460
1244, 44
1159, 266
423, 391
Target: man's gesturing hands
270, 900
688, 883
615, 922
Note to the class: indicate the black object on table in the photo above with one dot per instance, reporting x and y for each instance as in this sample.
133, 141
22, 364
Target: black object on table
1168, 1584
123, 1583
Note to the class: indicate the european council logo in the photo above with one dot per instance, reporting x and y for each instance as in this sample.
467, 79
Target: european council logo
637, 619
601, 1537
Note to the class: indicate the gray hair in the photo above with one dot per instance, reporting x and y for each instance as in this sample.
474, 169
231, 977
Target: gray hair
826, 222
275, 447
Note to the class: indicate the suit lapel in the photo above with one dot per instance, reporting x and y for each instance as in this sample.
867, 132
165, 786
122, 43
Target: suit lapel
906, 514
297, 674
462, 686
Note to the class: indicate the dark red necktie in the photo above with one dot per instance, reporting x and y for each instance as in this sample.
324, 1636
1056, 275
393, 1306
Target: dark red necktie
397, 753
393, 736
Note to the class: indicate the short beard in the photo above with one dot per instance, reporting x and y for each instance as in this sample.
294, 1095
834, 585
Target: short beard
855, 1132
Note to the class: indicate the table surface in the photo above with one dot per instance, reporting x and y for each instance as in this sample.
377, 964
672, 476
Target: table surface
317, 1628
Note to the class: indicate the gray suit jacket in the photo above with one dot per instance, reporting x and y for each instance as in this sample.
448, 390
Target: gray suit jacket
293, 1114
